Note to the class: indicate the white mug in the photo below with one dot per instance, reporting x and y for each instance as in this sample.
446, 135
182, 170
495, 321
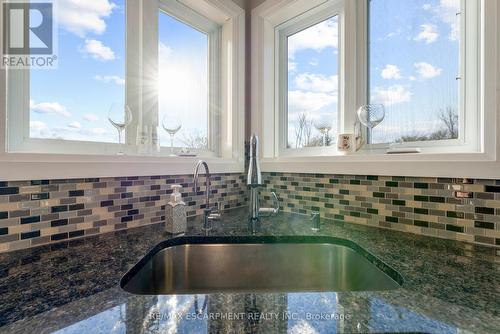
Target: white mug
346, 143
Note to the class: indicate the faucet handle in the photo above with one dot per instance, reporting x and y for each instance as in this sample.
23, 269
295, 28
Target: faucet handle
266, 212
215, 212
316, 219
276, 203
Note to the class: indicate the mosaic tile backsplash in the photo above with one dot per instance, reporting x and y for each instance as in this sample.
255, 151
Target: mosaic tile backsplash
429, 206
45, 211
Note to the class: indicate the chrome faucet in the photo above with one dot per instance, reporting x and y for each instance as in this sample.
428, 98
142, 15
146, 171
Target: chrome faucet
254, 177
254, 180
208, 216
207, 180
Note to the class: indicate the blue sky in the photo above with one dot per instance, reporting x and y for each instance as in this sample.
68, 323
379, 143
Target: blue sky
414, 61
72, 102
313, 78
414, 64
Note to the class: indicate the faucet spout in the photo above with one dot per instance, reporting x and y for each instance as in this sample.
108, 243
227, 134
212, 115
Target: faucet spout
207, 180
254, 177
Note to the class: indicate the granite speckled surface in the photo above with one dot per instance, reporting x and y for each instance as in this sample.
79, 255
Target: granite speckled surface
72, 287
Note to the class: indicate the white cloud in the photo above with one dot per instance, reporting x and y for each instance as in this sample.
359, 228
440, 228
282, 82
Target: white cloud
164, 51
72, 131
317, 83
391, 95
447, 11
52, 108
75, 125
391, 72
97, 131
429, 33
39, 130
317, 37
314, 62
426, 70
110, 78
300, 101
427, 6
292, 66
91, 117
98, 51
81, 17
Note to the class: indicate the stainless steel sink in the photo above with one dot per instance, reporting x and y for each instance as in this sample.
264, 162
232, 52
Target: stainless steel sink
265, 264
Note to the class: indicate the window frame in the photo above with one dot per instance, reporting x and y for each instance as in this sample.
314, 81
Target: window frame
469, 67
353, 21
299, 23
213, 30
18, 123
96, 159
19, 97
432, 161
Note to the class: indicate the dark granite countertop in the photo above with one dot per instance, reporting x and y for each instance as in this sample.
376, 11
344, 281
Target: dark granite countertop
73, 287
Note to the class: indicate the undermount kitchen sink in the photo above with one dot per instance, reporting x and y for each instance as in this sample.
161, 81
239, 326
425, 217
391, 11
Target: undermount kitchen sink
192, 265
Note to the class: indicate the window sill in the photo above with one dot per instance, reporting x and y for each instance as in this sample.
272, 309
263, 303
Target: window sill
477, 165
23, 166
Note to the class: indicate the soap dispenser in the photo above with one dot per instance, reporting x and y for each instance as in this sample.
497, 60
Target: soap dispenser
175, 215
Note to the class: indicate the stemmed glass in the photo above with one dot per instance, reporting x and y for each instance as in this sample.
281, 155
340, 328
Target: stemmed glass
120, 116
171, 124
370, 115
324, 124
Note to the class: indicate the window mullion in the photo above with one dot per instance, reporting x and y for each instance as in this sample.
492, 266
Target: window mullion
350, 26
133, 92
142, 66
361, 13
215, 106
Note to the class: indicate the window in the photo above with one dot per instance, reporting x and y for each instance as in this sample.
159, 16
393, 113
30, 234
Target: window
419, 84
313, 81
72, 101
309, 56
419, 58
183, 80
168, 61
183, 83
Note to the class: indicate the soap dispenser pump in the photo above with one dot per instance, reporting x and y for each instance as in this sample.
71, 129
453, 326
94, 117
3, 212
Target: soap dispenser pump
175, 215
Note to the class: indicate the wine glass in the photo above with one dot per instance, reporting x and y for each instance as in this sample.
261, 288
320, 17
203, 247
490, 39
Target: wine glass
324, 124
120, 116
171, 124
370, 115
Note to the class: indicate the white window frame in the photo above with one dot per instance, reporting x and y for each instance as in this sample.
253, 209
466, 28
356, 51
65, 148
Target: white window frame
283, 32
470, 82
57, 158
433, 161
213, 31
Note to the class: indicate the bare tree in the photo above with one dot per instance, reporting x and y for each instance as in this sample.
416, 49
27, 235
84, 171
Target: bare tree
449, 117
299, 129
449, 129
303, 131
194, 140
